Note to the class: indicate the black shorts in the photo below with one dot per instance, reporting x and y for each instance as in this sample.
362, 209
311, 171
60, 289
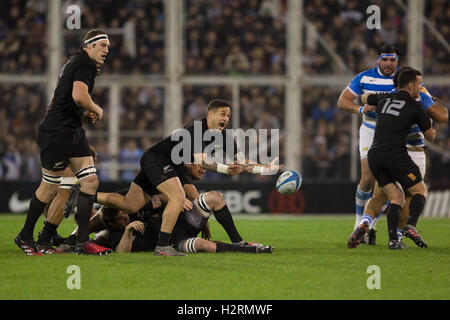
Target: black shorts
181, 233
56, 147
155, 169
389, 166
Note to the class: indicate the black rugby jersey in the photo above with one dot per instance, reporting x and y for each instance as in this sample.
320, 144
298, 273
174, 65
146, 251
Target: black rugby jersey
396, 112
63, 112
195, 141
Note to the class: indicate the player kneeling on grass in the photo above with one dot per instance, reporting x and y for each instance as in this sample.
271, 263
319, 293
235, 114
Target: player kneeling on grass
139, 232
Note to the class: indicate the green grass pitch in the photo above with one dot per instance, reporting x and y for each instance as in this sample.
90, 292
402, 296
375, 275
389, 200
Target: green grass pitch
311, 261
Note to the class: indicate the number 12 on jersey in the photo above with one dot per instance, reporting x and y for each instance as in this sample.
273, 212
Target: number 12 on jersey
392, 106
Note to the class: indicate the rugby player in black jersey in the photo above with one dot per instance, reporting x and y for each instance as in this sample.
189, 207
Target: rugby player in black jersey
158, 172
62, 142
388, 157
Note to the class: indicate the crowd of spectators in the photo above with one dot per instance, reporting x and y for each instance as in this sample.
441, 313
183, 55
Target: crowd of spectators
326, 135
435, 54
235, 37
23, 43
22, 108
136, 36
223, 37
342, 25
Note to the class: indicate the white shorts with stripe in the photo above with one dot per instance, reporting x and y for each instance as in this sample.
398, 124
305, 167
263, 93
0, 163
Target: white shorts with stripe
366, 135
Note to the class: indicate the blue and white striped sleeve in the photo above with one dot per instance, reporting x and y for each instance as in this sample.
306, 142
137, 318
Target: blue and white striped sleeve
355, 85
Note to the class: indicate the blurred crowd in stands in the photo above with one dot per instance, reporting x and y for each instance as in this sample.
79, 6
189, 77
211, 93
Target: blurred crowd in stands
223, 37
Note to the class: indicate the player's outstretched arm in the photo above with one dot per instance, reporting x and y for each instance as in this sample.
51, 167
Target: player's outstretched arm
211, 165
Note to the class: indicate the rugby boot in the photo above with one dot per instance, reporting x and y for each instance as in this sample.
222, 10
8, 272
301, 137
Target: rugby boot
411, 232
358, 234
167, 251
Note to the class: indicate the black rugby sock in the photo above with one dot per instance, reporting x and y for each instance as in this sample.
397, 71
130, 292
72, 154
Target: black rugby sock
34, 212
393, 217
47, 232
84, 210
223, 216
415, 208
224, 247
164, 239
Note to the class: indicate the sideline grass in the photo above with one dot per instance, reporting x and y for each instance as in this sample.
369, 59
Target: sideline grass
311, 261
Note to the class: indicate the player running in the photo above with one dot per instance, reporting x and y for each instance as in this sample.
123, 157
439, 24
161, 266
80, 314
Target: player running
375, 80
62, 141
388, 157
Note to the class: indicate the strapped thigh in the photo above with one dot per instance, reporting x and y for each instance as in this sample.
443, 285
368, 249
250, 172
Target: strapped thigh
85, 172
51, 179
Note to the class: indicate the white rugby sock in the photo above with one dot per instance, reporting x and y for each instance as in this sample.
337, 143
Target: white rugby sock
361, 199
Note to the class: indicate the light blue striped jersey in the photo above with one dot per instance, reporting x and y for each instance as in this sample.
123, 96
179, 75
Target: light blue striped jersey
373, 81
415, 137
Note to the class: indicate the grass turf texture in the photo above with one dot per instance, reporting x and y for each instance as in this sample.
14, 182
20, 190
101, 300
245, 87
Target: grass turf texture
311, 261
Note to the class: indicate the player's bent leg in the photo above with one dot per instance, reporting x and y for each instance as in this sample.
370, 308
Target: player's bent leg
174, 192
87, 176
418, 193
45, 193
397, 199
222, 214
48, 236
133, 201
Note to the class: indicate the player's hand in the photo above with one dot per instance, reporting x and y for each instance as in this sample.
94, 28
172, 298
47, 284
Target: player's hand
99, 68
248, 168
156, 201
136, 225
187, 205
368, 108
94, 153
274, 166
206, 233
435, 99
89, 117
235, 169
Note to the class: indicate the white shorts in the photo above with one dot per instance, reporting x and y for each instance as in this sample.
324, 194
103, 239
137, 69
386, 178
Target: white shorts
420, 160
365, 140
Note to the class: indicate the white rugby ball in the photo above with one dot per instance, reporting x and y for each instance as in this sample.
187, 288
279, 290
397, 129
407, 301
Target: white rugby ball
289, 182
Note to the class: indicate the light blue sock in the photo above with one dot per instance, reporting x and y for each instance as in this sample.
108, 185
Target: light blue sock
361, 199
366, 218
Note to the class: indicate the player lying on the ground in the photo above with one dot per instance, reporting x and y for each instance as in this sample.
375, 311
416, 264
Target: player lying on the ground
139, 232
187, 173
415, 146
